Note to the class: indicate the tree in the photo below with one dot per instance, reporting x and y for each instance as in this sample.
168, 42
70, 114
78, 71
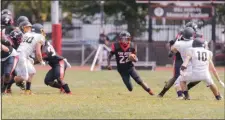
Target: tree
134, 14
33, 9
220, 10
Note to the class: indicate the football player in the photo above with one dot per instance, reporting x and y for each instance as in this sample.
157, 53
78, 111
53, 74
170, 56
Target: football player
123, 51
6, 22
16, 38
30, 42
59, 64
201, 60
178, 61
181, 46
9, 58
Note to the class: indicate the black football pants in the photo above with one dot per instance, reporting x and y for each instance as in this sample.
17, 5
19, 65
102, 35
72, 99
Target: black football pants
126, 73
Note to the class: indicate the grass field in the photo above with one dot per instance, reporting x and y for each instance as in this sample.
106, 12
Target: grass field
102, 94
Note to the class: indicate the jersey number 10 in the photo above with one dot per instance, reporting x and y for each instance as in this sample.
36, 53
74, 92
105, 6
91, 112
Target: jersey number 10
202, 56
28, 39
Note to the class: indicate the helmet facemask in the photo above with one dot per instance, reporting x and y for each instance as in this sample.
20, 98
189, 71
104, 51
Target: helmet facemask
125, 41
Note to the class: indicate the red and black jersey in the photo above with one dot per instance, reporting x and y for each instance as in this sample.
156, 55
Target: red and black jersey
122, 54
49, 55
7, 44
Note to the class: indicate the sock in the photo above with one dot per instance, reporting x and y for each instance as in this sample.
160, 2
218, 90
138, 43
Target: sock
163, 91
179, 93
28, 84
66, 88
186, 93
10, 84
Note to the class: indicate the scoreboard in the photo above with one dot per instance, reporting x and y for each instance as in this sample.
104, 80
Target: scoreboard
170, 1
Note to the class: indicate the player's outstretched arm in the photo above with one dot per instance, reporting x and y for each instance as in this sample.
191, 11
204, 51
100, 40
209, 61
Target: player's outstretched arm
213, 69
215, 73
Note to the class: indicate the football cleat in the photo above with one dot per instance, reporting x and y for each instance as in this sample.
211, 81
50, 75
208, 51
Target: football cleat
180, 98
28, 92
70, 93
61, 91
8, 91
159, 95
151, 92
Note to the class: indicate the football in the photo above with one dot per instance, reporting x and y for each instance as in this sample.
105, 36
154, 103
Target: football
132, 57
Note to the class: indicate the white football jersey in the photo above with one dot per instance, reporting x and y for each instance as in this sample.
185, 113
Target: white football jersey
29, 41
182, 47
200, 58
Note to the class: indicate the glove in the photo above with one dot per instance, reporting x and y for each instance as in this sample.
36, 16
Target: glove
43, 63
67, 63
221, 83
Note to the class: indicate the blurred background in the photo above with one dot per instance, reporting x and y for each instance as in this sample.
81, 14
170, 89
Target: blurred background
85, 24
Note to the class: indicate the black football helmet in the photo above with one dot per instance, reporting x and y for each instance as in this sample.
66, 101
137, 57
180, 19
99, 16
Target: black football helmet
6, 11
188, 33
124, 38
198, 42
21, 19
6, 20
16, 37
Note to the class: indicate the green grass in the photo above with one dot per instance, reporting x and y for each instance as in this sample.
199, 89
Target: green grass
103, 95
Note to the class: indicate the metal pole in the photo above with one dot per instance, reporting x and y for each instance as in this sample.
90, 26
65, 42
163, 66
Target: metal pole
96, 57
56, 27
102, 15
82, 53
213, 30
55, 12
149, 23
